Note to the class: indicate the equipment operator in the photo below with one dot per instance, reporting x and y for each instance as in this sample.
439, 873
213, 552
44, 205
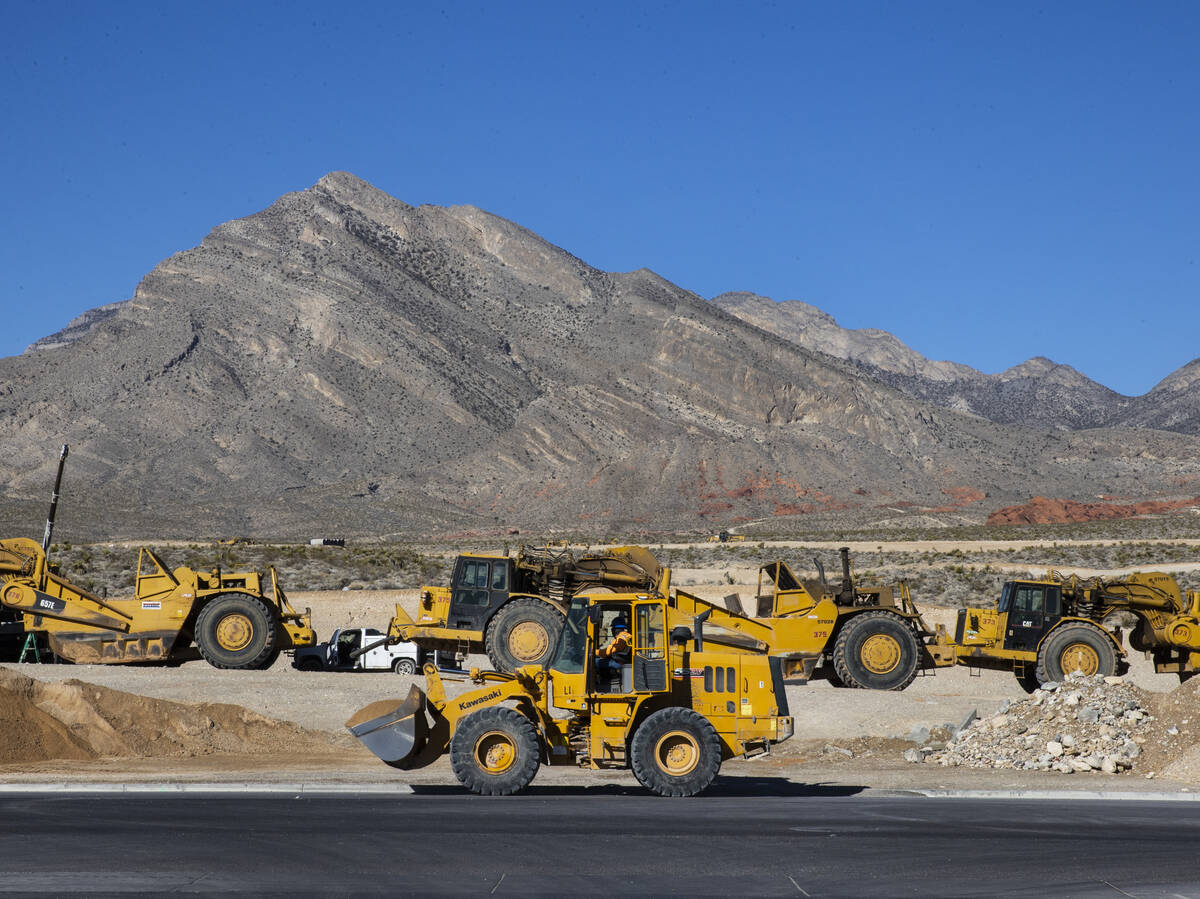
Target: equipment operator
618, 651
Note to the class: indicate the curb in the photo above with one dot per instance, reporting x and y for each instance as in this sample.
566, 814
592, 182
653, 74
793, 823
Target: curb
1059, 795
379, 789
292, 788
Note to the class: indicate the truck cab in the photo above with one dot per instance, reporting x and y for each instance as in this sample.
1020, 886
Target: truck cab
1026, 612
338, 653
481, 584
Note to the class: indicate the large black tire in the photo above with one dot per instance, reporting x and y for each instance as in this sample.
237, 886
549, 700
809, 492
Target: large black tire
524, 632
404, 666
309, 663
494, 751
1028, 680
675, 752
1075, 646
234, 630
876, 651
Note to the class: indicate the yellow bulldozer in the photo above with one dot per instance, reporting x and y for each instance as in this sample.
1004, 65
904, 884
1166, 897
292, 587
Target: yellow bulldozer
236, 619
672, 710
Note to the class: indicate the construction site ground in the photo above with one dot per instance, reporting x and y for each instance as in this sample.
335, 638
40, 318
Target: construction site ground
192, 723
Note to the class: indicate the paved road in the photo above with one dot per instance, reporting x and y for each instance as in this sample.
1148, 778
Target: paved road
438, 841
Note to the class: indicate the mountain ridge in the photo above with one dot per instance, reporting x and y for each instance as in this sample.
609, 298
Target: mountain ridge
1038, 391
345, 361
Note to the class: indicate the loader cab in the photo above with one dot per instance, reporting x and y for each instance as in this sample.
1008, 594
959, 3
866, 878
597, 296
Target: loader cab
480, 586
588, 631
1028, 610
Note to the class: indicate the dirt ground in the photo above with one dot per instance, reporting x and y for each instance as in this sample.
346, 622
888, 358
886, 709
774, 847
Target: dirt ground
193, 722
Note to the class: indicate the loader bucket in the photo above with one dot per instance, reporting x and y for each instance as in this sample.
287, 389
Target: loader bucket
395, 732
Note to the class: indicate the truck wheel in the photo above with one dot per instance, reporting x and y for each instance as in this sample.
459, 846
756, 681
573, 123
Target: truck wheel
494, 751
404, 666
675, 752
876, 651
1078, 646
1028, 680
523, 632
309, 663
234, 630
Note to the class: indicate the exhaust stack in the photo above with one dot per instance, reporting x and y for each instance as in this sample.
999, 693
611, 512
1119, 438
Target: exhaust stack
62, 461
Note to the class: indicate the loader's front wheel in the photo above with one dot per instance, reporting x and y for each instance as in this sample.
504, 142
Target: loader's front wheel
1075, 647
676, 752
523, 632
876, 651
237, 631
494, 751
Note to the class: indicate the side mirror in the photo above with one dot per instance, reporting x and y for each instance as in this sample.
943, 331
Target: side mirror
681, 634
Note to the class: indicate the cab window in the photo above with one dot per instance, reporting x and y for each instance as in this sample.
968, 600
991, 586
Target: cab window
473, 584
572, 641
650, 636
650, 647
500, 576
1028, 599
1028, 604
474, 574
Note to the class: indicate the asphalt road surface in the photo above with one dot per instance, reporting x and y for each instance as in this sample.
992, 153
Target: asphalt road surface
751, 841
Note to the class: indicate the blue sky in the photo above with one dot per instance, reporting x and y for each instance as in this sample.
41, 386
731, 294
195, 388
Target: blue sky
988, 181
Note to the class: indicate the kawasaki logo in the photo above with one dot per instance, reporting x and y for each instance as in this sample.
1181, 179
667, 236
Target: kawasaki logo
493, 695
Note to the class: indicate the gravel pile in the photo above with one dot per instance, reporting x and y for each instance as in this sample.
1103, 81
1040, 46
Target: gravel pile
1085, 723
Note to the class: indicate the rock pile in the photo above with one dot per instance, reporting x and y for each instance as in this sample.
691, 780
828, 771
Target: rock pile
1085, 723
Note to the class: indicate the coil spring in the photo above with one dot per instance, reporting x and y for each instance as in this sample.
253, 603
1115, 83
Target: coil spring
579, 738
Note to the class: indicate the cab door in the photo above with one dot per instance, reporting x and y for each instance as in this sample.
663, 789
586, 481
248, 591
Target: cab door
480, 587
650, 647
1032, 610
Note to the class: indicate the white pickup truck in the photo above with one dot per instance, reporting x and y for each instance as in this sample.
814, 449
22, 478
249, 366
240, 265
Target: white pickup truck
403, 658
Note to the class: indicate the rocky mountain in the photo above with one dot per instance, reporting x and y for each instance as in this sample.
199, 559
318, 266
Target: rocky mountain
1173, 404
345, 363
1038, 392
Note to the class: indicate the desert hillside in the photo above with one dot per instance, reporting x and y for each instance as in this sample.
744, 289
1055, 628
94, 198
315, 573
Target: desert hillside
345, 362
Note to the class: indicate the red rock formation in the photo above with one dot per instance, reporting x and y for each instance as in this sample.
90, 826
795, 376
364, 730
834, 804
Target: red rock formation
1041, 510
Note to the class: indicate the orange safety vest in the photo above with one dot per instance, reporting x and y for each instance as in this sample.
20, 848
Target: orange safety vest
619, 643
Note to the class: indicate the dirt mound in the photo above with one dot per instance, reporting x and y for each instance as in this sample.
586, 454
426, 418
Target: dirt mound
1174, 751
1041, 510
78, 721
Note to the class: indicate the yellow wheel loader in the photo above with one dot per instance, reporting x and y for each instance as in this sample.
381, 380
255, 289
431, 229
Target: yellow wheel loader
512, 608
671, 711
